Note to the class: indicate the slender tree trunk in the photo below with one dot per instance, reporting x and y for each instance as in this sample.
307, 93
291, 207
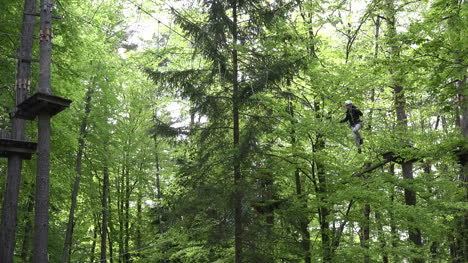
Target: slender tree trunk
375, 55
238, 228
381, 238
93, 244
13, 178
304, 223
324, 212
322, 193
127, 216
105, 191
395, 237
139, 223
109, 239
365, 232
26, 243
463, 220
158, 183
402, 124
458, 36
111, 228
79, 156
120, 209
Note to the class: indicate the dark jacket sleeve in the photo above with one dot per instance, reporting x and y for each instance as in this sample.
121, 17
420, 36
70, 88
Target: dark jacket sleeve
358, 111
345, 119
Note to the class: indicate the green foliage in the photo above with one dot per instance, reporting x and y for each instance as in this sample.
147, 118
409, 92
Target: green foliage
161, 122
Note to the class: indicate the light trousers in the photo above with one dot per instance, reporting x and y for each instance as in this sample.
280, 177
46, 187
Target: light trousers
357, 136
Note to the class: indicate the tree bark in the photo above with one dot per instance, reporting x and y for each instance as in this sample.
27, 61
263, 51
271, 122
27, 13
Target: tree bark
304, 223
41, 219
105, 190
127, 217
462, 253
365, 232
402, 123
158, 185
395, 237
13, 178
41, 225
111, 229
79, 156
381, 238
458, 37
93, 244
26, 243
139, 223
238, 227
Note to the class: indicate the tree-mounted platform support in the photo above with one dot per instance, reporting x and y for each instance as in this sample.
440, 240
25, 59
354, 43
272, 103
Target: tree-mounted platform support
10, 146
40, 103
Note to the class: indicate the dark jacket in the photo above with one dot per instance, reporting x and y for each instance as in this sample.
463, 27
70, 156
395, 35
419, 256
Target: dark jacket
352, 116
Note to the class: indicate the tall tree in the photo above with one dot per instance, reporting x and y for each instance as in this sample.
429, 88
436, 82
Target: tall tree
78, 169
401, 116
12, 188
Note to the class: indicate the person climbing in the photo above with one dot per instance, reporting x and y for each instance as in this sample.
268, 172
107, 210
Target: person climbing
352, 116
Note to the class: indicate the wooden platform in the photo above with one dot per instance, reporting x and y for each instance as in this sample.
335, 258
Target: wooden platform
39, 103
9, 147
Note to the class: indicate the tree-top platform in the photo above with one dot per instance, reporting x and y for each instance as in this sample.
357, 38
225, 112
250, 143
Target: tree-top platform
40, 103
9, 146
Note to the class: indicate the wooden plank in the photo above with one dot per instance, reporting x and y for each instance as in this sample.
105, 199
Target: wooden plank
41, 102
10, 147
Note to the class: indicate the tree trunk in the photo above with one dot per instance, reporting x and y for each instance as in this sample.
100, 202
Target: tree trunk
109, 238
395, 237
41, 219
158, 182
238, 228
324, 212
402, 124
139, 224
120, 211
105, 190
41, 223
13, 178
26, 243
463, 220
365, 232
458, 36
321, 189
111, 228
304, 223
79, 156
127, 217
381, 238
93, 244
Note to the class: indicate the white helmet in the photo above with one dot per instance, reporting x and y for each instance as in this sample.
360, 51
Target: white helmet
348, 102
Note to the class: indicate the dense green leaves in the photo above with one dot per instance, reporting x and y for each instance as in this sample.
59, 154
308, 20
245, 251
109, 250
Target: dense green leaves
161, 123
